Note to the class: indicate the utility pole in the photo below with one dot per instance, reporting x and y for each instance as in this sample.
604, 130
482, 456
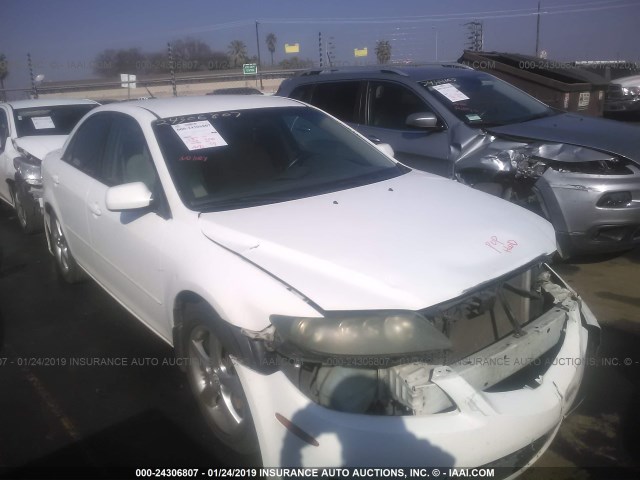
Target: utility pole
259, 61
538, 32
172, 70
320, 48
33, 81
330, 50
476, 36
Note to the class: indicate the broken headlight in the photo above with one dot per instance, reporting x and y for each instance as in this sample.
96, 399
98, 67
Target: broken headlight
532, 160
383, 333
28, 168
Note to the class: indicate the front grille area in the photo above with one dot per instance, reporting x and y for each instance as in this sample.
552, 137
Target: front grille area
614, 92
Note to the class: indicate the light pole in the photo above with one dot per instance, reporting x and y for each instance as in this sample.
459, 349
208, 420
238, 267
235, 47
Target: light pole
259, 60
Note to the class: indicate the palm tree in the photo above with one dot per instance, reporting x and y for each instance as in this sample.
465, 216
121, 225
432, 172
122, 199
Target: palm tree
383, 51
4, 72
237, 52
271, 44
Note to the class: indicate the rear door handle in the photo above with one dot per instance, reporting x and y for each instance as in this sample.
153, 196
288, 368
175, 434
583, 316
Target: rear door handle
56, 179
374, 139
95, 209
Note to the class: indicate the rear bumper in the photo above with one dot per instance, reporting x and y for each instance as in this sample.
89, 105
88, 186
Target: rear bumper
508, 428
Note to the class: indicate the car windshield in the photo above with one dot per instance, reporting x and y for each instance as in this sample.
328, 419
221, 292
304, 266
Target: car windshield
236, 159
483, 100
49, 120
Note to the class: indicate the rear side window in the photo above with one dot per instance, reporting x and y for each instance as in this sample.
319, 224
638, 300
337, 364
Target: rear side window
340, 99
87, 145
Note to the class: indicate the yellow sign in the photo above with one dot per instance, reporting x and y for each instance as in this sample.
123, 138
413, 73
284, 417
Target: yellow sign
293, 48
360, 52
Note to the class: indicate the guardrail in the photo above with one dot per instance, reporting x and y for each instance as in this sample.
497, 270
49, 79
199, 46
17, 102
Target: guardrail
86, 87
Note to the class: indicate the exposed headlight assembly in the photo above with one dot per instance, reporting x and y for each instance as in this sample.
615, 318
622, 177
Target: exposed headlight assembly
378, 333
532, 160
29, 169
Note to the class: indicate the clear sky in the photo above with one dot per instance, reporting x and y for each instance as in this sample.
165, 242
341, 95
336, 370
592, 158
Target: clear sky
64, 36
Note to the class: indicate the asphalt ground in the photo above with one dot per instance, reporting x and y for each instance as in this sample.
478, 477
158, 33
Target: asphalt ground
60, 406
55, 416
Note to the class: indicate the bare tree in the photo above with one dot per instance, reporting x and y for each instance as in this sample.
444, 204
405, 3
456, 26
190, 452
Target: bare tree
295, 63
110, 63
191, 54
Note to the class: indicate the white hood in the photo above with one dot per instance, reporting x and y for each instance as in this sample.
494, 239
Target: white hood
40, 145
405, 243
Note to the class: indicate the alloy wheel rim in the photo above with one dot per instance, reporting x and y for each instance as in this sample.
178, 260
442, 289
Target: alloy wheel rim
60, 247
217, 386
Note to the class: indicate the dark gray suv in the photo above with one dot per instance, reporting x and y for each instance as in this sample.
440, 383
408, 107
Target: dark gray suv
581, 173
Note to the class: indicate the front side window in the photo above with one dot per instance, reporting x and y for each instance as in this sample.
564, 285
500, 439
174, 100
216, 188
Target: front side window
52, 120
390, 104
127, 158
236, 159
87, 145
480, 99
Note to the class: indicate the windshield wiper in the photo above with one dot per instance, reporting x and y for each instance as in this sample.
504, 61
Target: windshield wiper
241, 202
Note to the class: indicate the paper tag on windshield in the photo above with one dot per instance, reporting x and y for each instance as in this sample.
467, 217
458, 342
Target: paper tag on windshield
199, 135
41, 123
450, 92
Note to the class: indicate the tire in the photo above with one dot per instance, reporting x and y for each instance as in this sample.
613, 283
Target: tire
66, 265
27, 209
213, 379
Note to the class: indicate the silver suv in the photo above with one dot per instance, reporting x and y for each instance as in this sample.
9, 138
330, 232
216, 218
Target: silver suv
581, 173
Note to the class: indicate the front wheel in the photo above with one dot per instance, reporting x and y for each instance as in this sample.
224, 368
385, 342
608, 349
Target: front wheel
27, 209
214, 381
66, 265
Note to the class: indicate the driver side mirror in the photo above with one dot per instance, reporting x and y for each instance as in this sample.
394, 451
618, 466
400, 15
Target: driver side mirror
422, 120
130, 196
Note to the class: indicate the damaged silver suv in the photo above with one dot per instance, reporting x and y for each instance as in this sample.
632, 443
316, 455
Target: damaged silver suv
581, 173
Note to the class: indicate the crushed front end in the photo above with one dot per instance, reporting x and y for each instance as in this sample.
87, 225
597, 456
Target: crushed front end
499, 369
591, 198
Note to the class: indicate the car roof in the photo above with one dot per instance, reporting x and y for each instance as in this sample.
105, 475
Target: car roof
177, 106
410, 72
49, 102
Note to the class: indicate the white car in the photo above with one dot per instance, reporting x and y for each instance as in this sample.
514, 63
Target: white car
29, 129
334, 306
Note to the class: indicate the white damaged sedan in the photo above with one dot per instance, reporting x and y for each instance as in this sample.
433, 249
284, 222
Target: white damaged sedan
334, 306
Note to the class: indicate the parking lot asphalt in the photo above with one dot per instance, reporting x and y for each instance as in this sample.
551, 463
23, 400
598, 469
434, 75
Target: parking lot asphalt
60, 406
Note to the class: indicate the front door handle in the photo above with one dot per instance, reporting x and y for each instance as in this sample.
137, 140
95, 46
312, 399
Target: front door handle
95, 209
56, 179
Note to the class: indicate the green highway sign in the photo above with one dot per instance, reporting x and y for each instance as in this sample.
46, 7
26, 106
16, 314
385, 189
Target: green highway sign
250, 69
